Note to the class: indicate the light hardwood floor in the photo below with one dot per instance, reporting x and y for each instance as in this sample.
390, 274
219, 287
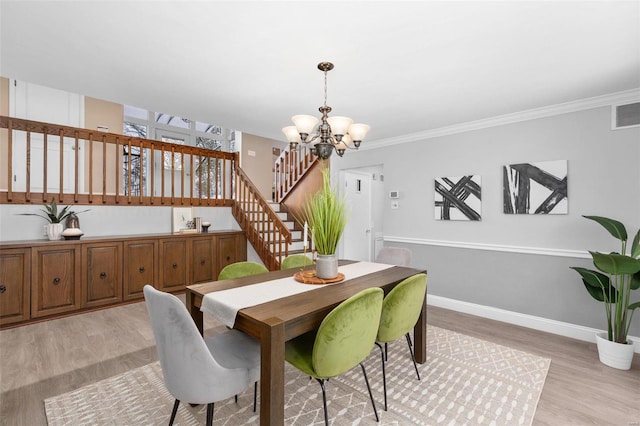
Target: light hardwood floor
46, 359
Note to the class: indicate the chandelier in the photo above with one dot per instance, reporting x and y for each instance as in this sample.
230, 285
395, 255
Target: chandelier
339, 133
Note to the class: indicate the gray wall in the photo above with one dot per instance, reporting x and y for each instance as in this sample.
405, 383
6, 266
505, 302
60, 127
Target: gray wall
603, 179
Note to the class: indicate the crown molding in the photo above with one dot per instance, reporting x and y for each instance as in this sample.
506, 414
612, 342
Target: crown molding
632, 95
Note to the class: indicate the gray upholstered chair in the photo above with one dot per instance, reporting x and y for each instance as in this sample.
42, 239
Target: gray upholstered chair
398, 256
343, 340
401, 309
296, 261
241, 269
196, 370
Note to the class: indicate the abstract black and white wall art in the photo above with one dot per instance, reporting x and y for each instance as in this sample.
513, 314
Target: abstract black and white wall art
458, 198
536, 188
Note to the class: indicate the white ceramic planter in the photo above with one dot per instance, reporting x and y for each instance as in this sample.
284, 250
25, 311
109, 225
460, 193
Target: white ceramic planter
327, 266
616, 355
54, 231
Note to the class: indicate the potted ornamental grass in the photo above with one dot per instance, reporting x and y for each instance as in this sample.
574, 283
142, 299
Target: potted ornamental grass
326, 215
616, 277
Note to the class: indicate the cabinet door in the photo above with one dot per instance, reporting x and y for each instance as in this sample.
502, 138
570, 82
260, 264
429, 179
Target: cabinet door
15, 282
202, 260
173, 264
55, 284
140, 263
231, 249
102, 274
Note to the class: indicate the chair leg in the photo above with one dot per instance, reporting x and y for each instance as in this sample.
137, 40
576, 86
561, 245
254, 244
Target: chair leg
324, 401
366, 380
255, 395
386, 351
210, 414
174, 412
413, 358
384, 376
236, 398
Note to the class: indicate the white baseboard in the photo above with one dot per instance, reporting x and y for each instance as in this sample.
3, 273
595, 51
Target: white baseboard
566, 329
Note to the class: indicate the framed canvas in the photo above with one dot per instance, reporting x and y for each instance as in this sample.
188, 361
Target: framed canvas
535, 188
182, 218
458, 198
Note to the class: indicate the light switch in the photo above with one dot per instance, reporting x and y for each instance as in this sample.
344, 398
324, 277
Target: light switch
395, 204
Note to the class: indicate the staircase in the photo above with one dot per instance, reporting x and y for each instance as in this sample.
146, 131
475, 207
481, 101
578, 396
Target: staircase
270, 229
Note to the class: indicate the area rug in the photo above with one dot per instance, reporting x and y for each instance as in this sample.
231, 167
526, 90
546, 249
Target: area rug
464, 381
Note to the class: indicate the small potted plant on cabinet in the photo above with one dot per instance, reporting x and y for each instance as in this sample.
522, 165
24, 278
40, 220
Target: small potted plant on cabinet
617, 276
55, 217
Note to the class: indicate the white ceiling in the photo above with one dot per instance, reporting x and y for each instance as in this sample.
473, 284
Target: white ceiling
401, 67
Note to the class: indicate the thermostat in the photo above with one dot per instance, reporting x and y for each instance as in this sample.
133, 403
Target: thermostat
394, 194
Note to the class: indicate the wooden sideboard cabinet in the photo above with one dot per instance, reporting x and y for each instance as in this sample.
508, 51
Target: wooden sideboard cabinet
55, 283
140, 267
101, 274
47, 279
15, 283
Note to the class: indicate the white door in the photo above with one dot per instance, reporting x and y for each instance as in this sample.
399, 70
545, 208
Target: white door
39, 103
357, 241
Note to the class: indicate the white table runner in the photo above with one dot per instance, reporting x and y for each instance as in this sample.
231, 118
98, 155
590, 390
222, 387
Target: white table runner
225, 304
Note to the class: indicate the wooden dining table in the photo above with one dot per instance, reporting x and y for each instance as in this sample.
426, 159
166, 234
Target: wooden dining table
277, 321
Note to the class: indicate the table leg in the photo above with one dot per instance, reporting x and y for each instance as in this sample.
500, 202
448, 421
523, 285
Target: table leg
272, 372
420, 335
196, 313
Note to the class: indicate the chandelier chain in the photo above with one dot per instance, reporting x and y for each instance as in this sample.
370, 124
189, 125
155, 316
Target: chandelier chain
325, 89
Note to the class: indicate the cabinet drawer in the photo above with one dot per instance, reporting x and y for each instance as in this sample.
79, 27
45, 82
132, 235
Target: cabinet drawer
55, 282
15, 282
202, 260
102, 274
140, 263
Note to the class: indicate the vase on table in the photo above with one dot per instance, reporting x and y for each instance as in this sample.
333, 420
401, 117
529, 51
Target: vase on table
327, 266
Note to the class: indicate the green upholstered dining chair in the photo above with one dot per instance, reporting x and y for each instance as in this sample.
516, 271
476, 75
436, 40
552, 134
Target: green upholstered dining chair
241, 269
343, 340
400, 311
296, 261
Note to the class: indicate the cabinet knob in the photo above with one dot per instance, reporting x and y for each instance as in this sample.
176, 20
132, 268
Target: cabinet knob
141, 269
228, 258
175, 265
103, 275
3, 288
202, 262
56, 281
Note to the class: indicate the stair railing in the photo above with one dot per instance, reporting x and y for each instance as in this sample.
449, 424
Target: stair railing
290, 167
264, 229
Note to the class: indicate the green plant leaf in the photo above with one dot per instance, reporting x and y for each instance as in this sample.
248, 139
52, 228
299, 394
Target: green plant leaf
597, 284
633, 306
615, 264
614, 227
635, 246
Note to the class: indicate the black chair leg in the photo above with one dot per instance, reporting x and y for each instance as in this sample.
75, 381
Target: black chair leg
210, 414
236, 398
174, 412
384, 376
255, 395
386, 351
366, 380
413, 358
324, 401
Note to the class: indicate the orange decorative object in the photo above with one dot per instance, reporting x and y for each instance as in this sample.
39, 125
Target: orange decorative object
309, 277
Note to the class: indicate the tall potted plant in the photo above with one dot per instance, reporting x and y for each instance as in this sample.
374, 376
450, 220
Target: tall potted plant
326, 215
613, 287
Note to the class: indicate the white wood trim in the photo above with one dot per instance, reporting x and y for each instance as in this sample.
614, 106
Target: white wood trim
574, 331
532, 114
492, 247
